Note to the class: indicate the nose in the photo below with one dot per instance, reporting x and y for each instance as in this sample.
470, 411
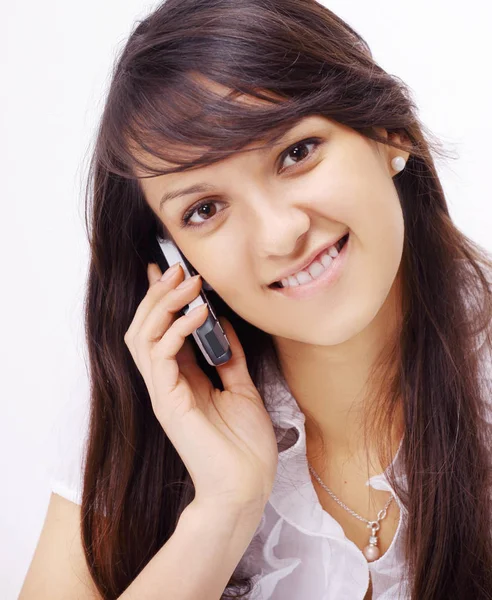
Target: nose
279, 229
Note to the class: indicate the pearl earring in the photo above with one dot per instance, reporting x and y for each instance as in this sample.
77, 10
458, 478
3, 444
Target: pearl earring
398, 163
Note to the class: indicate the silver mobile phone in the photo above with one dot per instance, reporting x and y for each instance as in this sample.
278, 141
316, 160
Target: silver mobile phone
210, 337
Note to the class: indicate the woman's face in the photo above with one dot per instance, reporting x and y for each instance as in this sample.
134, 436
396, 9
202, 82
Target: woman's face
258, 222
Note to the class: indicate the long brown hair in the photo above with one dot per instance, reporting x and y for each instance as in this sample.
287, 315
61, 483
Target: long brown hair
298, 59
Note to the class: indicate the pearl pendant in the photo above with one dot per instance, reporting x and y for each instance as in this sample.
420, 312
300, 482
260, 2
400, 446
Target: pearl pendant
371, 552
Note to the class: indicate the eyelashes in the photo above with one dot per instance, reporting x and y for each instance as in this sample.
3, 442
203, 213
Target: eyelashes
316, 142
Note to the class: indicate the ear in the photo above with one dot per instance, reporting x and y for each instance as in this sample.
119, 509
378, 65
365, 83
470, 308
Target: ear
399, 138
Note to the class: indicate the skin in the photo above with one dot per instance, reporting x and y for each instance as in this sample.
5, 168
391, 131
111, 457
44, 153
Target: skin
260, 222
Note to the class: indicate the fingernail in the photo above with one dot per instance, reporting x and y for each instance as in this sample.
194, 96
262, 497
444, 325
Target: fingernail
169, 272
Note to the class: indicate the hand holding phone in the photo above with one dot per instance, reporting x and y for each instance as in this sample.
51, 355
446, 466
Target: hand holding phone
225, 437
210, 336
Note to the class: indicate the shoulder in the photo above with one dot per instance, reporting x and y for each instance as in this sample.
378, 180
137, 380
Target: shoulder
58, 568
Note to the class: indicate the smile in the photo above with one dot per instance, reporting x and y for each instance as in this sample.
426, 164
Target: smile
321, 273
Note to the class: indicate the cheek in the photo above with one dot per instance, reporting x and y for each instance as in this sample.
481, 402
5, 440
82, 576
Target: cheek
384, 225
370, 207
223, 266
350, 188
379, 240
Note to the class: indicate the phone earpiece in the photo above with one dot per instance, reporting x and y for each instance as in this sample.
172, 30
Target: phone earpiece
207, 286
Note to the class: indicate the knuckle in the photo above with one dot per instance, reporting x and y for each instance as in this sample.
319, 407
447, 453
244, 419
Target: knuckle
155, 289
154, 293
127, 338
169, 305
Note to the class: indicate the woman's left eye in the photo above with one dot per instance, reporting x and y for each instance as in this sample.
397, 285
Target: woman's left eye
309, 142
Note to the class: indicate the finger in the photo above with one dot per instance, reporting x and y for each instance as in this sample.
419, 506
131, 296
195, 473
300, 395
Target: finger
165, 311
234, 373
186, 358
158, 321
186, 355
189, 367
165, 369
155, 292
153, 273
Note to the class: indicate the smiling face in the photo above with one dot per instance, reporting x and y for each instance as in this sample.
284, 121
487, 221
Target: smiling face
267, 211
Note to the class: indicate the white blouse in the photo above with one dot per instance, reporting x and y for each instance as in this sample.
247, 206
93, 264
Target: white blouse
298, 550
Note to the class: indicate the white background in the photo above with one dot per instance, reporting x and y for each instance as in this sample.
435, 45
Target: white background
55, 63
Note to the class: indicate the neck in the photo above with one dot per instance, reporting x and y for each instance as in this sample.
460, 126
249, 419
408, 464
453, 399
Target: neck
333, 387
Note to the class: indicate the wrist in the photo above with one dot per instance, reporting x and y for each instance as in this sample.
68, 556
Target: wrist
230, 509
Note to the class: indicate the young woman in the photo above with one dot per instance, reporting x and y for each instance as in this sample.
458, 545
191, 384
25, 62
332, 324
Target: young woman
343, 452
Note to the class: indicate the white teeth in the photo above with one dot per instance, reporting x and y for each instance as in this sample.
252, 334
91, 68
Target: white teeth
303, 277
326, 259
290, 281
314, 270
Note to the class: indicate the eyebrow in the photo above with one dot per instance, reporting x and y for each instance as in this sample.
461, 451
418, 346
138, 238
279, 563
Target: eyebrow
198, 188
193, 189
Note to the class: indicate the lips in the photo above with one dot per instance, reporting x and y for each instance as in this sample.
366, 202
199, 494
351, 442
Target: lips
339, 244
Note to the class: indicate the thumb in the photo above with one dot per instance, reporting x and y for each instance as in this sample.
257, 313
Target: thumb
234, 373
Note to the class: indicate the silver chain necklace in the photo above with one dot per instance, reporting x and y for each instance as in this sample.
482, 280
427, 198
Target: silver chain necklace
371, 551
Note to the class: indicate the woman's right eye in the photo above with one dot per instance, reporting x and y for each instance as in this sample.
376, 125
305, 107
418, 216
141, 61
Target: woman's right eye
186, 218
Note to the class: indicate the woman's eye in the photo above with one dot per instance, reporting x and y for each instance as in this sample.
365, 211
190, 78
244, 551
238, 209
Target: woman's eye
302, 156
299, 155
186, 218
